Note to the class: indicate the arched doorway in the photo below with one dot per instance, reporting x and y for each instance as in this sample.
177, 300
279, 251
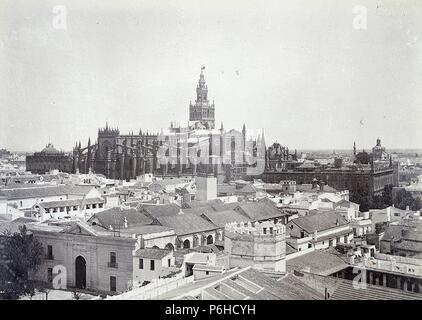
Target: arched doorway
210, 239
169, 246
186, 244
80, 273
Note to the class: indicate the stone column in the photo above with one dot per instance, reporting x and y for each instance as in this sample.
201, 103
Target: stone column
371, 277
384, 280
399, 283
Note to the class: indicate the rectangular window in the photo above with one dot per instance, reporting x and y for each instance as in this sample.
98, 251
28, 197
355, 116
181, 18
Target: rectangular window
152, 265
61, 209
112, 284
94, 206
88, 206
49, 252
75, 208
50, 275
141, 263
169, 262
100, 205
113, 260
265, 230
302, 234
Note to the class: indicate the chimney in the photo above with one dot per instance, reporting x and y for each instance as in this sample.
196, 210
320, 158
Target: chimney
125, 223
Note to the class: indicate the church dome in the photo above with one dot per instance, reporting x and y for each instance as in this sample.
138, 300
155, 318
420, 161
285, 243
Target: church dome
49, 148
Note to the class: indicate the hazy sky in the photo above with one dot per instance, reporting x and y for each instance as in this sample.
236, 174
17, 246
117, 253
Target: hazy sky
296, 68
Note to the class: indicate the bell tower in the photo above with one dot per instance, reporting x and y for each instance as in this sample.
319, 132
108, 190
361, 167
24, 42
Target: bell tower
202, 111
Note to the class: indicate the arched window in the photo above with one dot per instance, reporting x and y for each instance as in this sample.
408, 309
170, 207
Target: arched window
186, 244
169, 246
210, 239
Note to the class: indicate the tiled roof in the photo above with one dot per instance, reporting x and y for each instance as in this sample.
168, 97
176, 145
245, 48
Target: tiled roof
260, 210
117, 215
221, 218
346, 291
207, 267
152, 253
45, 191
249, 284
186, 223
247, 189
322, 262
392, 232
226, 189
146, 229
159, 210
209, 203
408, 246
320, 221
232, 189
168, 182
288, 287
290, 249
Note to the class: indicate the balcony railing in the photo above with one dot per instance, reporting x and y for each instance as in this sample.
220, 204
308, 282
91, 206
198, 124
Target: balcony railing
112, 264
49, 257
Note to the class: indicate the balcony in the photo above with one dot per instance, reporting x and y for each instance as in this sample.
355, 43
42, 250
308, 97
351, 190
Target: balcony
112, 264
49, 257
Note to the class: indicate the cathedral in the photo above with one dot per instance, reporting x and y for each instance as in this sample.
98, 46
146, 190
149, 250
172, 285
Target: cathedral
174, 151
117, 156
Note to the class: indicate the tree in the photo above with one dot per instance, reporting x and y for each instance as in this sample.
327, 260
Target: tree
387, 195
404, 199
384, 200
20, 254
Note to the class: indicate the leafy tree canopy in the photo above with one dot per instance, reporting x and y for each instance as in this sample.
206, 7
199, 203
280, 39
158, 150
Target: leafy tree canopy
20, 254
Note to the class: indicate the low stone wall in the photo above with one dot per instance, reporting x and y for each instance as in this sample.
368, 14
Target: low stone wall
154, 289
